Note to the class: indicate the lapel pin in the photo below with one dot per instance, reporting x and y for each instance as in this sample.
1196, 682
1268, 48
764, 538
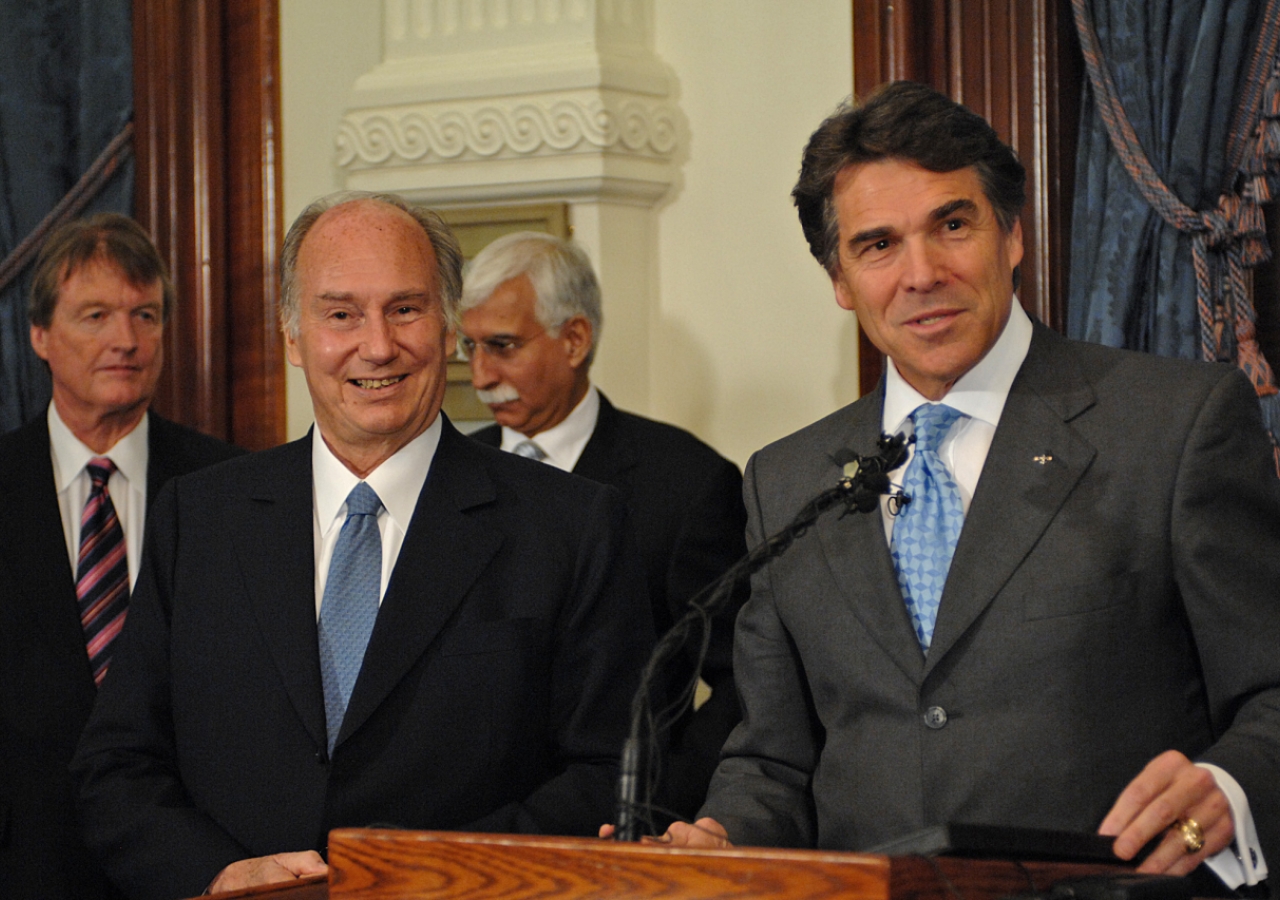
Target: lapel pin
1043, 458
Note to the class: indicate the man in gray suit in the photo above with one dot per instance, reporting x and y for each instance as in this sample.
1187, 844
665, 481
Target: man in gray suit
1097, 650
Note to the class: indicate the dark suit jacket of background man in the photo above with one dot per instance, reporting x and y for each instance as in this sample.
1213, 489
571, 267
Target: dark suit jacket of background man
1115, 593
46, 688
686, 504
493, 696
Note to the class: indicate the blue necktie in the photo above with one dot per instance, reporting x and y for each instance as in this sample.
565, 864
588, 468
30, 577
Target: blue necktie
350, 603
925, 534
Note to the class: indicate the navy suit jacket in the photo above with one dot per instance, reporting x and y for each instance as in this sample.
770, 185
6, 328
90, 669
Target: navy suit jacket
686, 505
1113, 595
493, 695
46, 688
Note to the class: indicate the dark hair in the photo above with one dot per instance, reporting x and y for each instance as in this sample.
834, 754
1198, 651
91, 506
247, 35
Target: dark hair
443, 243
907, 121
105, 237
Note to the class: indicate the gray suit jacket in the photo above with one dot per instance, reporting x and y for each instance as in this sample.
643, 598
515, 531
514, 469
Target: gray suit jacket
1113, 595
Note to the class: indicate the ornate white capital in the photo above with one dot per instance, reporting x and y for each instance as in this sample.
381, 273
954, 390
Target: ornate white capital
486, 100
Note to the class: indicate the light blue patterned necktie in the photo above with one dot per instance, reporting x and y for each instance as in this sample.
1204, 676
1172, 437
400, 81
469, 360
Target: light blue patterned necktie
925, 534
350, 603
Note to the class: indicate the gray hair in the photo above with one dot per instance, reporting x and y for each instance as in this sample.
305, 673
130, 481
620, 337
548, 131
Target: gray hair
448, 253
559, 271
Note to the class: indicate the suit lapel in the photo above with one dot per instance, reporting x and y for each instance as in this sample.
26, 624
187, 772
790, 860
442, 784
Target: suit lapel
489, 435
31, 536
277, 554
1036, 460
606, 455
858, 554
445, 550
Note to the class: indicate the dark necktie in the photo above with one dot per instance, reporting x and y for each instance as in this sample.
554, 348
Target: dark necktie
102, 570
925, 534
350, 603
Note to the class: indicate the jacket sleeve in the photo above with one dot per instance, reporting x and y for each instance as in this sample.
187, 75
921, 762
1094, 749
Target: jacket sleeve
135, 813
760, 791
1226, 542
603, 639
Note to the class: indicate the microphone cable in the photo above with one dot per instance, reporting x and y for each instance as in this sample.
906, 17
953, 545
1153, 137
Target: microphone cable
864, 480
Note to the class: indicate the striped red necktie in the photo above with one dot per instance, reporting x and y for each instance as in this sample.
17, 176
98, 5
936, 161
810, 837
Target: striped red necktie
102, 571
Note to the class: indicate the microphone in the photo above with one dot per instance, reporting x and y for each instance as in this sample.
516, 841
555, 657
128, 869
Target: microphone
864, 480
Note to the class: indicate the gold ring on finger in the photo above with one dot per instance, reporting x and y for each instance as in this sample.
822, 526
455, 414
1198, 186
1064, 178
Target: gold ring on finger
1192, 835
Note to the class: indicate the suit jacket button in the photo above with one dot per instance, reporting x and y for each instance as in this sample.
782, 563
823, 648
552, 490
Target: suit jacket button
935, 717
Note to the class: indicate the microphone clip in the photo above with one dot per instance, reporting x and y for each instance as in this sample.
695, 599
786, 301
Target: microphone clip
865, 479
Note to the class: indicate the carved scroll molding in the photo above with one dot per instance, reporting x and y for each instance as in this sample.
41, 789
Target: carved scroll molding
514, 100
508, 127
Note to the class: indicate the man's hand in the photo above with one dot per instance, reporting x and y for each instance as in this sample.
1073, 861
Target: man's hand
268, 870
1171, 789
704, 833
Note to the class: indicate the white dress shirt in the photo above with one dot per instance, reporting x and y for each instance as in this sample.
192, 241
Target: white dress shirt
564, 443
980, 395
127, 486
397, 481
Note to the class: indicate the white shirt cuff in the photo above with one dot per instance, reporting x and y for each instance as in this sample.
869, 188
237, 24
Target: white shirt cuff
1242, 861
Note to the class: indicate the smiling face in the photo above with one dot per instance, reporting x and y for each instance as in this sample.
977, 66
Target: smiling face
529, 378
926, 267
104, 347
371, 336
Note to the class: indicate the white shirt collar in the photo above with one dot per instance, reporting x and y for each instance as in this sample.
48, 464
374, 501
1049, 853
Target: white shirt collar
564, 443
981, 392
397, 481
70, 455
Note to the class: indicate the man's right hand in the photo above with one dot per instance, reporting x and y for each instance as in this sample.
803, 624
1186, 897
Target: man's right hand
704, 833
268, 870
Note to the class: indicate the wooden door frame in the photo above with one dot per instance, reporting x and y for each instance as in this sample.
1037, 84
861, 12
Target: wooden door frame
207, 143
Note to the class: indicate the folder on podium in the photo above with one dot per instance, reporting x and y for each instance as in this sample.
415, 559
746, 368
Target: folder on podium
376, 864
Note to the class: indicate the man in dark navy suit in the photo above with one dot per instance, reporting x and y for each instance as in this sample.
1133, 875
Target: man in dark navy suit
531, 323
100, 300
383, 622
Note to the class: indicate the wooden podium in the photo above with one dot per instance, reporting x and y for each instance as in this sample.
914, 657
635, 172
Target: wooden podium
372, 864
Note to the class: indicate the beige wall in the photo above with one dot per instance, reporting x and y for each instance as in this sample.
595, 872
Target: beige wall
747, 343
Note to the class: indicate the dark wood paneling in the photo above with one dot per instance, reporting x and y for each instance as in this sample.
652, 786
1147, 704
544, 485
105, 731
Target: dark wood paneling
254, 223
207, 190
1016, 63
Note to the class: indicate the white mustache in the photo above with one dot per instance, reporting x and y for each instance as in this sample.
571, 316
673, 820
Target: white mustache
503, 393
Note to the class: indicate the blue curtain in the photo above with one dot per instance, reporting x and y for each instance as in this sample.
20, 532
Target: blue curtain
66, 89
1177, 67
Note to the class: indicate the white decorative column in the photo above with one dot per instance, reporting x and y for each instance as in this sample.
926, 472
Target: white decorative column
488, 102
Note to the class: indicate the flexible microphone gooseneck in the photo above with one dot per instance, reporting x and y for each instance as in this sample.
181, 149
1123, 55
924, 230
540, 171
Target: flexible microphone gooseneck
864, 481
